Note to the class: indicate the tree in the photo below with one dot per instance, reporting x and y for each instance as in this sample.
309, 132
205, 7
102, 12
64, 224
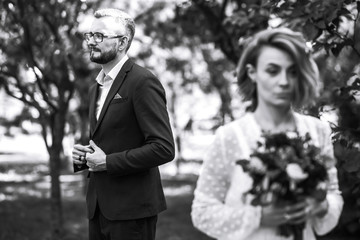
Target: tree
41, 65
186, 65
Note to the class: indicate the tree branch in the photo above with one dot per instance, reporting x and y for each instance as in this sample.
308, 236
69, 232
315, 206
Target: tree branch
21, 89
28, 41
355, 29
345, 39
223, 9
149, 10
44, 131
223, 38
61, 41
52, 27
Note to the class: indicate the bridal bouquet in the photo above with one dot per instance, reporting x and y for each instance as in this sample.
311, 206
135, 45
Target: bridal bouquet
286, 168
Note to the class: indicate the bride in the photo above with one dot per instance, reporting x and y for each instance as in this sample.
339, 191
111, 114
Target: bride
277, 74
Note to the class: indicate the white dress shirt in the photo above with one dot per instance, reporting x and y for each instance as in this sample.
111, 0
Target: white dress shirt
105, 81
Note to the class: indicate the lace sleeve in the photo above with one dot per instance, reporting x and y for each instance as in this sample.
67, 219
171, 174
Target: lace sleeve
325, 224
210, 213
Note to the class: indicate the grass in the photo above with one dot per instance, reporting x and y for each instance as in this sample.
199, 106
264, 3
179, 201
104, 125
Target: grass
25, 207
175, 223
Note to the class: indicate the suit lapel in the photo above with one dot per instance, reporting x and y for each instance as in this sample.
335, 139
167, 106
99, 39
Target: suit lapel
92, 108
113, 90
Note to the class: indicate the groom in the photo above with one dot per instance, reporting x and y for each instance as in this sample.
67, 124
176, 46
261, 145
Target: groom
130, 136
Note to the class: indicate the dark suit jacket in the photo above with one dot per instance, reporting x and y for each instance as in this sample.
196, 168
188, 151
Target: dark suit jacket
135, 134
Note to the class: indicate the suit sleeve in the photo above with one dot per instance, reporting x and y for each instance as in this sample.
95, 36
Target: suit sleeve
150, 109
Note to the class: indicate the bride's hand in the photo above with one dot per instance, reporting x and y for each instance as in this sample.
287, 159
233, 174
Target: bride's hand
272, 216
316, 208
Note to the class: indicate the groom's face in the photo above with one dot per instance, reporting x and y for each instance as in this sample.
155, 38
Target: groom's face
107, 50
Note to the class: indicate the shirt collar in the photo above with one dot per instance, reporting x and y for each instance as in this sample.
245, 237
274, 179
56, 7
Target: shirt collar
113, 72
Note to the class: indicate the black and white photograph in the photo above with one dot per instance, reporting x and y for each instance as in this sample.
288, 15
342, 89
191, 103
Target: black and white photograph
179, 119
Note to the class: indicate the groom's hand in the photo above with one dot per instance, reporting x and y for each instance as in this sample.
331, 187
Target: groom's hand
79, 153
96, 161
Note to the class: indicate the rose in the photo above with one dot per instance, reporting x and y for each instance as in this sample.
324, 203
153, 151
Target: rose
292, 135
258, 165
295, 172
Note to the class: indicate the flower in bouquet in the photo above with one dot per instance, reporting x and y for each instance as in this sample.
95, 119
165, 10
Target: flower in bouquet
286, 168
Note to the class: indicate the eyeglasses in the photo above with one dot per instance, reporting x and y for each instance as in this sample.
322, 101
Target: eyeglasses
99, 37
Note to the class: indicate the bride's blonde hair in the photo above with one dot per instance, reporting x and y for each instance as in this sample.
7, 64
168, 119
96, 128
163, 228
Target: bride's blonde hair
294, 44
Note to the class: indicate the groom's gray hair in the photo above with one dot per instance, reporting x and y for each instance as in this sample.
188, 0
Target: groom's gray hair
120, 17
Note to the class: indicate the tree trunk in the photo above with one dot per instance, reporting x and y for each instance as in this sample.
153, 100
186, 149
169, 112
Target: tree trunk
177, 129
55, 197
84, 136
57, 126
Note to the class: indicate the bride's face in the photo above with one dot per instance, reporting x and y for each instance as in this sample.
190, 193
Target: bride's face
275, 76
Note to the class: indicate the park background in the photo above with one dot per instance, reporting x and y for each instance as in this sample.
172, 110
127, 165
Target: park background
193, 47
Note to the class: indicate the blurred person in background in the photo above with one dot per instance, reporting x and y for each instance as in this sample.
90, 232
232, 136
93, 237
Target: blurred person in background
130, 136
277, 74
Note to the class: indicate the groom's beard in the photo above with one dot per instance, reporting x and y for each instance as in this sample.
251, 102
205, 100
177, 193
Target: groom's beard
102, 57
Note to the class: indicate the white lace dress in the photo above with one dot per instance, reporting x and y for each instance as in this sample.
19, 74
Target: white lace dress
220, 208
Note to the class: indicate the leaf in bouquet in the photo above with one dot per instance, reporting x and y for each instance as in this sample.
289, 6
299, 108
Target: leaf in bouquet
327, 161
271, 160
274, 174
256, 190
257, 165
244, 163
296, 230
317, 172
265, 184
315, 181
276, 187
314, 153
292, 156
308, 186
285, 230
307, 137
266, 198
256, 201
314, 150
276, 140
304, 162
279, 163
319, 194
259, 144
292, 186
264, 157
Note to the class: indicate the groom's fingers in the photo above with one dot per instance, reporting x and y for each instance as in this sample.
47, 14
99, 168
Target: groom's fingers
89, 149
78, 162
93, 145
82, 148
78, 156
80, 151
